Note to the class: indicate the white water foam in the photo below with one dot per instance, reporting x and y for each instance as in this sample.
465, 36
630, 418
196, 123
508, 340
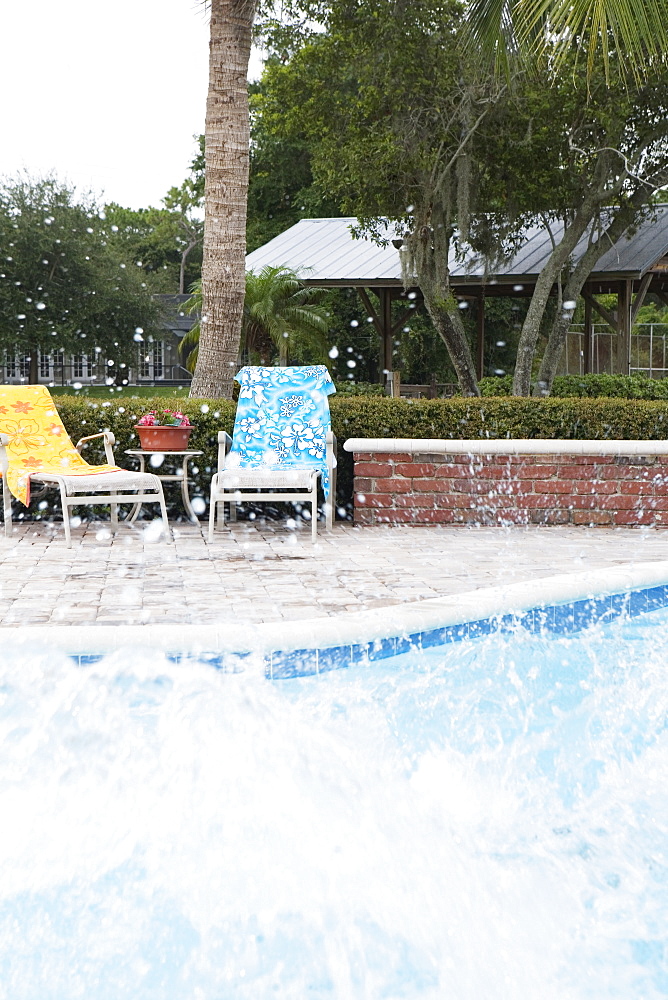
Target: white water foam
486, 821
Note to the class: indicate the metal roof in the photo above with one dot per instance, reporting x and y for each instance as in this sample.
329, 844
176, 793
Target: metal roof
326, 253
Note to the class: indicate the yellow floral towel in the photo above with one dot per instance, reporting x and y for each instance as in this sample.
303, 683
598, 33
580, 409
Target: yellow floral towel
38, 442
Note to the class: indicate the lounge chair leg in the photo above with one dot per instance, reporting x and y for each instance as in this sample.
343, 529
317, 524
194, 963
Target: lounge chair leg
66, 516
7, 509
212, 516
233, 512
163, 513
314, 516
114, 515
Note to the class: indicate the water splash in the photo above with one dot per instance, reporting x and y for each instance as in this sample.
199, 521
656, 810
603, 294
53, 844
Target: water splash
486, 820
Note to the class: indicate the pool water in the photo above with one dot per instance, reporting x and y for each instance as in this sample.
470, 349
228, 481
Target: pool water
483, 821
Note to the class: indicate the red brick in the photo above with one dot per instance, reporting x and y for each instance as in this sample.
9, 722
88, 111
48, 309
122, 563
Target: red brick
591, 517
552, 486
628, 517
373, 469
364, 516
400, 456
592, 487
433, 485
607, 471
628, 487
393, 485
551, 516
414, 469
378, 500
656, 503
620, 503
535, 471
584, 502
452, 472
533, 501
363, 485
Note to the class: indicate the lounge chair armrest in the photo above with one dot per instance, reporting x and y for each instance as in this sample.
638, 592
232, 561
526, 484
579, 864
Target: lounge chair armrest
4, 439
224, 445
109, 442
330, 447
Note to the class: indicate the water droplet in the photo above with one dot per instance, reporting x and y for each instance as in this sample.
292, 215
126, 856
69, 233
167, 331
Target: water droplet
40, 305
354, 322
462, 305
21, 316
156, 460
500, 343
351, 364
204, 408
76, 385
114, 229
198, 505
412, 295
334, 352
570, 304
138, 337
518, 288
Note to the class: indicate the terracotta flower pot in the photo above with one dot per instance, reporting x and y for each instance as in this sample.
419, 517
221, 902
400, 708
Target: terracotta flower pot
160, 438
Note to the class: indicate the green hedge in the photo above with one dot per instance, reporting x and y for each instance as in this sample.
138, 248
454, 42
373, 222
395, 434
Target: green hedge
623, 386
382, 417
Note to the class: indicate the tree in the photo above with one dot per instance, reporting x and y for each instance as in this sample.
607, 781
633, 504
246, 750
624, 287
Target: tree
165, 242
64, 285
399, 130
281, 318
227, 133
586, 170
629, 37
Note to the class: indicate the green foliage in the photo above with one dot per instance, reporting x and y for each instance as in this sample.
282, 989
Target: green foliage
622, 386
359, 389
511, 417
64, 284
166, 243
281, 189
281, 319
83, 417
371, 415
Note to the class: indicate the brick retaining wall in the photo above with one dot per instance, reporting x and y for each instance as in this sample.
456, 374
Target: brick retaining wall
511, 489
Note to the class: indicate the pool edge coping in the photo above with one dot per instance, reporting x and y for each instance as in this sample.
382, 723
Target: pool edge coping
364, 630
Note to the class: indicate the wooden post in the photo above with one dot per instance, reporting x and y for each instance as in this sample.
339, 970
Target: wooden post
588, 339
481, 335
386, 323
624, 296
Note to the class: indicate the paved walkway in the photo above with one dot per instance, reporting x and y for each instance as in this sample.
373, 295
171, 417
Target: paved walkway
267, 572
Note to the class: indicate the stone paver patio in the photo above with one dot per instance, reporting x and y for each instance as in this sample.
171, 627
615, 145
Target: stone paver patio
260, 572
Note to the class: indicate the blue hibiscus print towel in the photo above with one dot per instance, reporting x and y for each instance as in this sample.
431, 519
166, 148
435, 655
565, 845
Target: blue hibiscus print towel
282, 419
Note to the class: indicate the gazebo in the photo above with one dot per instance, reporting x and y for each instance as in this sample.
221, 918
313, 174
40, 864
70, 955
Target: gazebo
328, 254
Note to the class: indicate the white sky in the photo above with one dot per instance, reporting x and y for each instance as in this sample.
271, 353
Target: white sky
109, 96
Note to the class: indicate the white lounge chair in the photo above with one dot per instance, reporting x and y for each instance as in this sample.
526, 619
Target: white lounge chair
282, 446
35, 448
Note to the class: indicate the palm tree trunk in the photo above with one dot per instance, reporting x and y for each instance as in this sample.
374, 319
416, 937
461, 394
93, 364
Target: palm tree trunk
226, 150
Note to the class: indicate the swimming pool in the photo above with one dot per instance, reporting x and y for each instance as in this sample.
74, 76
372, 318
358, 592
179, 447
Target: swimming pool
481, 819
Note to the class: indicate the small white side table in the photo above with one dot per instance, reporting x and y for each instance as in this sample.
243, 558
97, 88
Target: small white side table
181, 477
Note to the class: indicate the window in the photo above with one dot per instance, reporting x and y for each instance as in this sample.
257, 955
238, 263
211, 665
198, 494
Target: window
24, 366
10, 365
157, 359
151, 361
44, 365
79, 366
